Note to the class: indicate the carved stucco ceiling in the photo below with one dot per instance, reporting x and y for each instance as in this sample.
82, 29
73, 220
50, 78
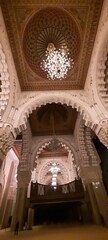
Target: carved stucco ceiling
32, 24
64, 118
46, 152
56, 27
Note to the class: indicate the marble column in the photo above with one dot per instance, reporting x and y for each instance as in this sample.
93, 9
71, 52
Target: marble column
21, 197
92, 177
8, 213
94, 206
5, 197
102, 200
18, 213
30, 220
85, 214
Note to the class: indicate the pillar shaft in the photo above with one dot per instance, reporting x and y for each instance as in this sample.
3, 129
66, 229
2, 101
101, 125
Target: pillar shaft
30, 217
5, 197
92, 177
94, 207
8, 213
18, 214
102, 200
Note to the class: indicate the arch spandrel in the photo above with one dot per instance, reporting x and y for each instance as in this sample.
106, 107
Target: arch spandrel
78, 101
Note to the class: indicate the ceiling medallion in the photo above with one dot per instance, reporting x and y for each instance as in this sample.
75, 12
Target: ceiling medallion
52, 44
56, 63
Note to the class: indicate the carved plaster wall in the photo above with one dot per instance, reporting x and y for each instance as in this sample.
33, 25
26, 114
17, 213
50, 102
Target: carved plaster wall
87, 102
39, 143
4, 83
45, 165
6, 141
10, 158
97, 81
94, 86
24, 167
76, 99
9, 79
8, 84
89, 158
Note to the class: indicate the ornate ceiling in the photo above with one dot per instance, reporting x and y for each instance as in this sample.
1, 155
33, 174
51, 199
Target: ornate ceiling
31, 25
46, 153
56, 27
64, 118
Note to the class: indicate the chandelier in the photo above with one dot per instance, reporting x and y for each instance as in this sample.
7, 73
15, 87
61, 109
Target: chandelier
56, 62
54, 170
54, 144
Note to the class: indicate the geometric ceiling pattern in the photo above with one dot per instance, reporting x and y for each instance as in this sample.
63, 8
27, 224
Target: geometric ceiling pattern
56, 27
32, 24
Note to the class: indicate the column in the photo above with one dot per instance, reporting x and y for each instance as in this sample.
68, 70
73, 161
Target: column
8, 213
5, 197
92, 177
102, 200
21, 197
93, 203
18, 214
30, 218
85, 213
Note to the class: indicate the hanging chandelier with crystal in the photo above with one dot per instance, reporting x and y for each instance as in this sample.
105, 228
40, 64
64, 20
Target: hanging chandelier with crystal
54, 170
56, 62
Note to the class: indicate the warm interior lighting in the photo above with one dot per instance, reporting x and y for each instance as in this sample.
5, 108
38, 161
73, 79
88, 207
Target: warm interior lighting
57, 62
54, 170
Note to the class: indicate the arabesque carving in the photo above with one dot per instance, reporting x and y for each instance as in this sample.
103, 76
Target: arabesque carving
18, 15
6, 141
102, 77
4, 82
103, 133
24, 166
88, 154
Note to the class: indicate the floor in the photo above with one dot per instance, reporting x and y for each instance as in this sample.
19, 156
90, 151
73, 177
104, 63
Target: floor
59, 232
